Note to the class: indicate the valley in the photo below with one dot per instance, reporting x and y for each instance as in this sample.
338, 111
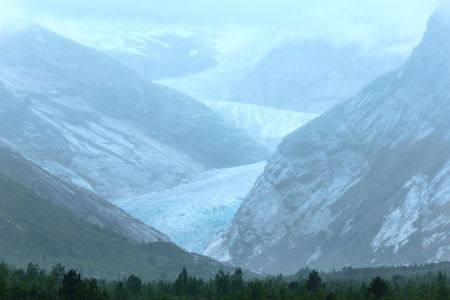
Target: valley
156, 147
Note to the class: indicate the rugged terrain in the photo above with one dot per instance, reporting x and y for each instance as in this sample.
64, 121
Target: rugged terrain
161, 56
366, 183
87, 119
32, 229
312, 75
79, 201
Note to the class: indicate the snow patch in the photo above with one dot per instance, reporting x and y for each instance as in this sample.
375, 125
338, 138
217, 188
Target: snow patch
440, 221
423, 133
443, 253
398, 226
222, 254
347, 227
315, 256
441, 186
433, 239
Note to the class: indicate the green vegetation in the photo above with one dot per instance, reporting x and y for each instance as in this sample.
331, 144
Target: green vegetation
35, 283
34, 229
102, 264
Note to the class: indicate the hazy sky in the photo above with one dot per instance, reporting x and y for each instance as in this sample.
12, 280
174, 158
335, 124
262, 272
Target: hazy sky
372, 22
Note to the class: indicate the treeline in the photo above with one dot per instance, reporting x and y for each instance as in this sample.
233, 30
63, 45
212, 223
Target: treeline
35, 283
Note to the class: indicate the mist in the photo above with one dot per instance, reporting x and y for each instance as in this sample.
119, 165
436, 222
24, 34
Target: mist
374, 24
150, 137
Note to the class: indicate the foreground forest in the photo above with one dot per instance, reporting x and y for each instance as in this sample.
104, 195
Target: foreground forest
412, 282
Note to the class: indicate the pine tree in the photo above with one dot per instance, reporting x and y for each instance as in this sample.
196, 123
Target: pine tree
313, 281
378, 287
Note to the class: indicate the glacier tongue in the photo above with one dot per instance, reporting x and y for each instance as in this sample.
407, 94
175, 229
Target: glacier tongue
266, 125
192, 213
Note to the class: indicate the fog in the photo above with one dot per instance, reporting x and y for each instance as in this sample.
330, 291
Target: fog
275, 135
381, 24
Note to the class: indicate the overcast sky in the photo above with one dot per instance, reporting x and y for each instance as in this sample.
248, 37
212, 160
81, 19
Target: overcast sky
372, 22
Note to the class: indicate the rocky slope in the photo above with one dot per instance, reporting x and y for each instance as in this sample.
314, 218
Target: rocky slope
312, 76
80, 202
87, 119
366, 183
32, 229
161, 56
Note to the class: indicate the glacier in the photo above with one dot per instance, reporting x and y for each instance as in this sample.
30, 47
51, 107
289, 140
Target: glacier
266, 125
162, 156
192, 213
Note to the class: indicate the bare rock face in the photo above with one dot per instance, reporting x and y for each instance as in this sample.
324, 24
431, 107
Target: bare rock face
90, 121
312, 76
366, 183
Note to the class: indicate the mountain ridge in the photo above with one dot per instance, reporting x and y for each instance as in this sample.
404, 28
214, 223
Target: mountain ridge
312, 75
111, 131
81, 202
34, 229
362, 184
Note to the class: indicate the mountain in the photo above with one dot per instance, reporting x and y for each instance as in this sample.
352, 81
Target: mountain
87, 119
311, 75
80, 202
32, 229
193, 212
161, 56
366, 183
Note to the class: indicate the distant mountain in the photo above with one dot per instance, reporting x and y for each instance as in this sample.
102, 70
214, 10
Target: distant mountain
366, 183
34, 230
87, 119
311, 75
80, 202
162, 56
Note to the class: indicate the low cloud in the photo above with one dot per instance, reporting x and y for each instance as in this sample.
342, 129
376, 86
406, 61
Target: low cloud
370, 22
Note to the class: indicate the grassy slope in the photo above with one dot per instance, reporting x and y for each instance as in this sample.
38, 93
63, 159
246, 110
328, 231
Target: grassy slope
32, 229
81, 202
